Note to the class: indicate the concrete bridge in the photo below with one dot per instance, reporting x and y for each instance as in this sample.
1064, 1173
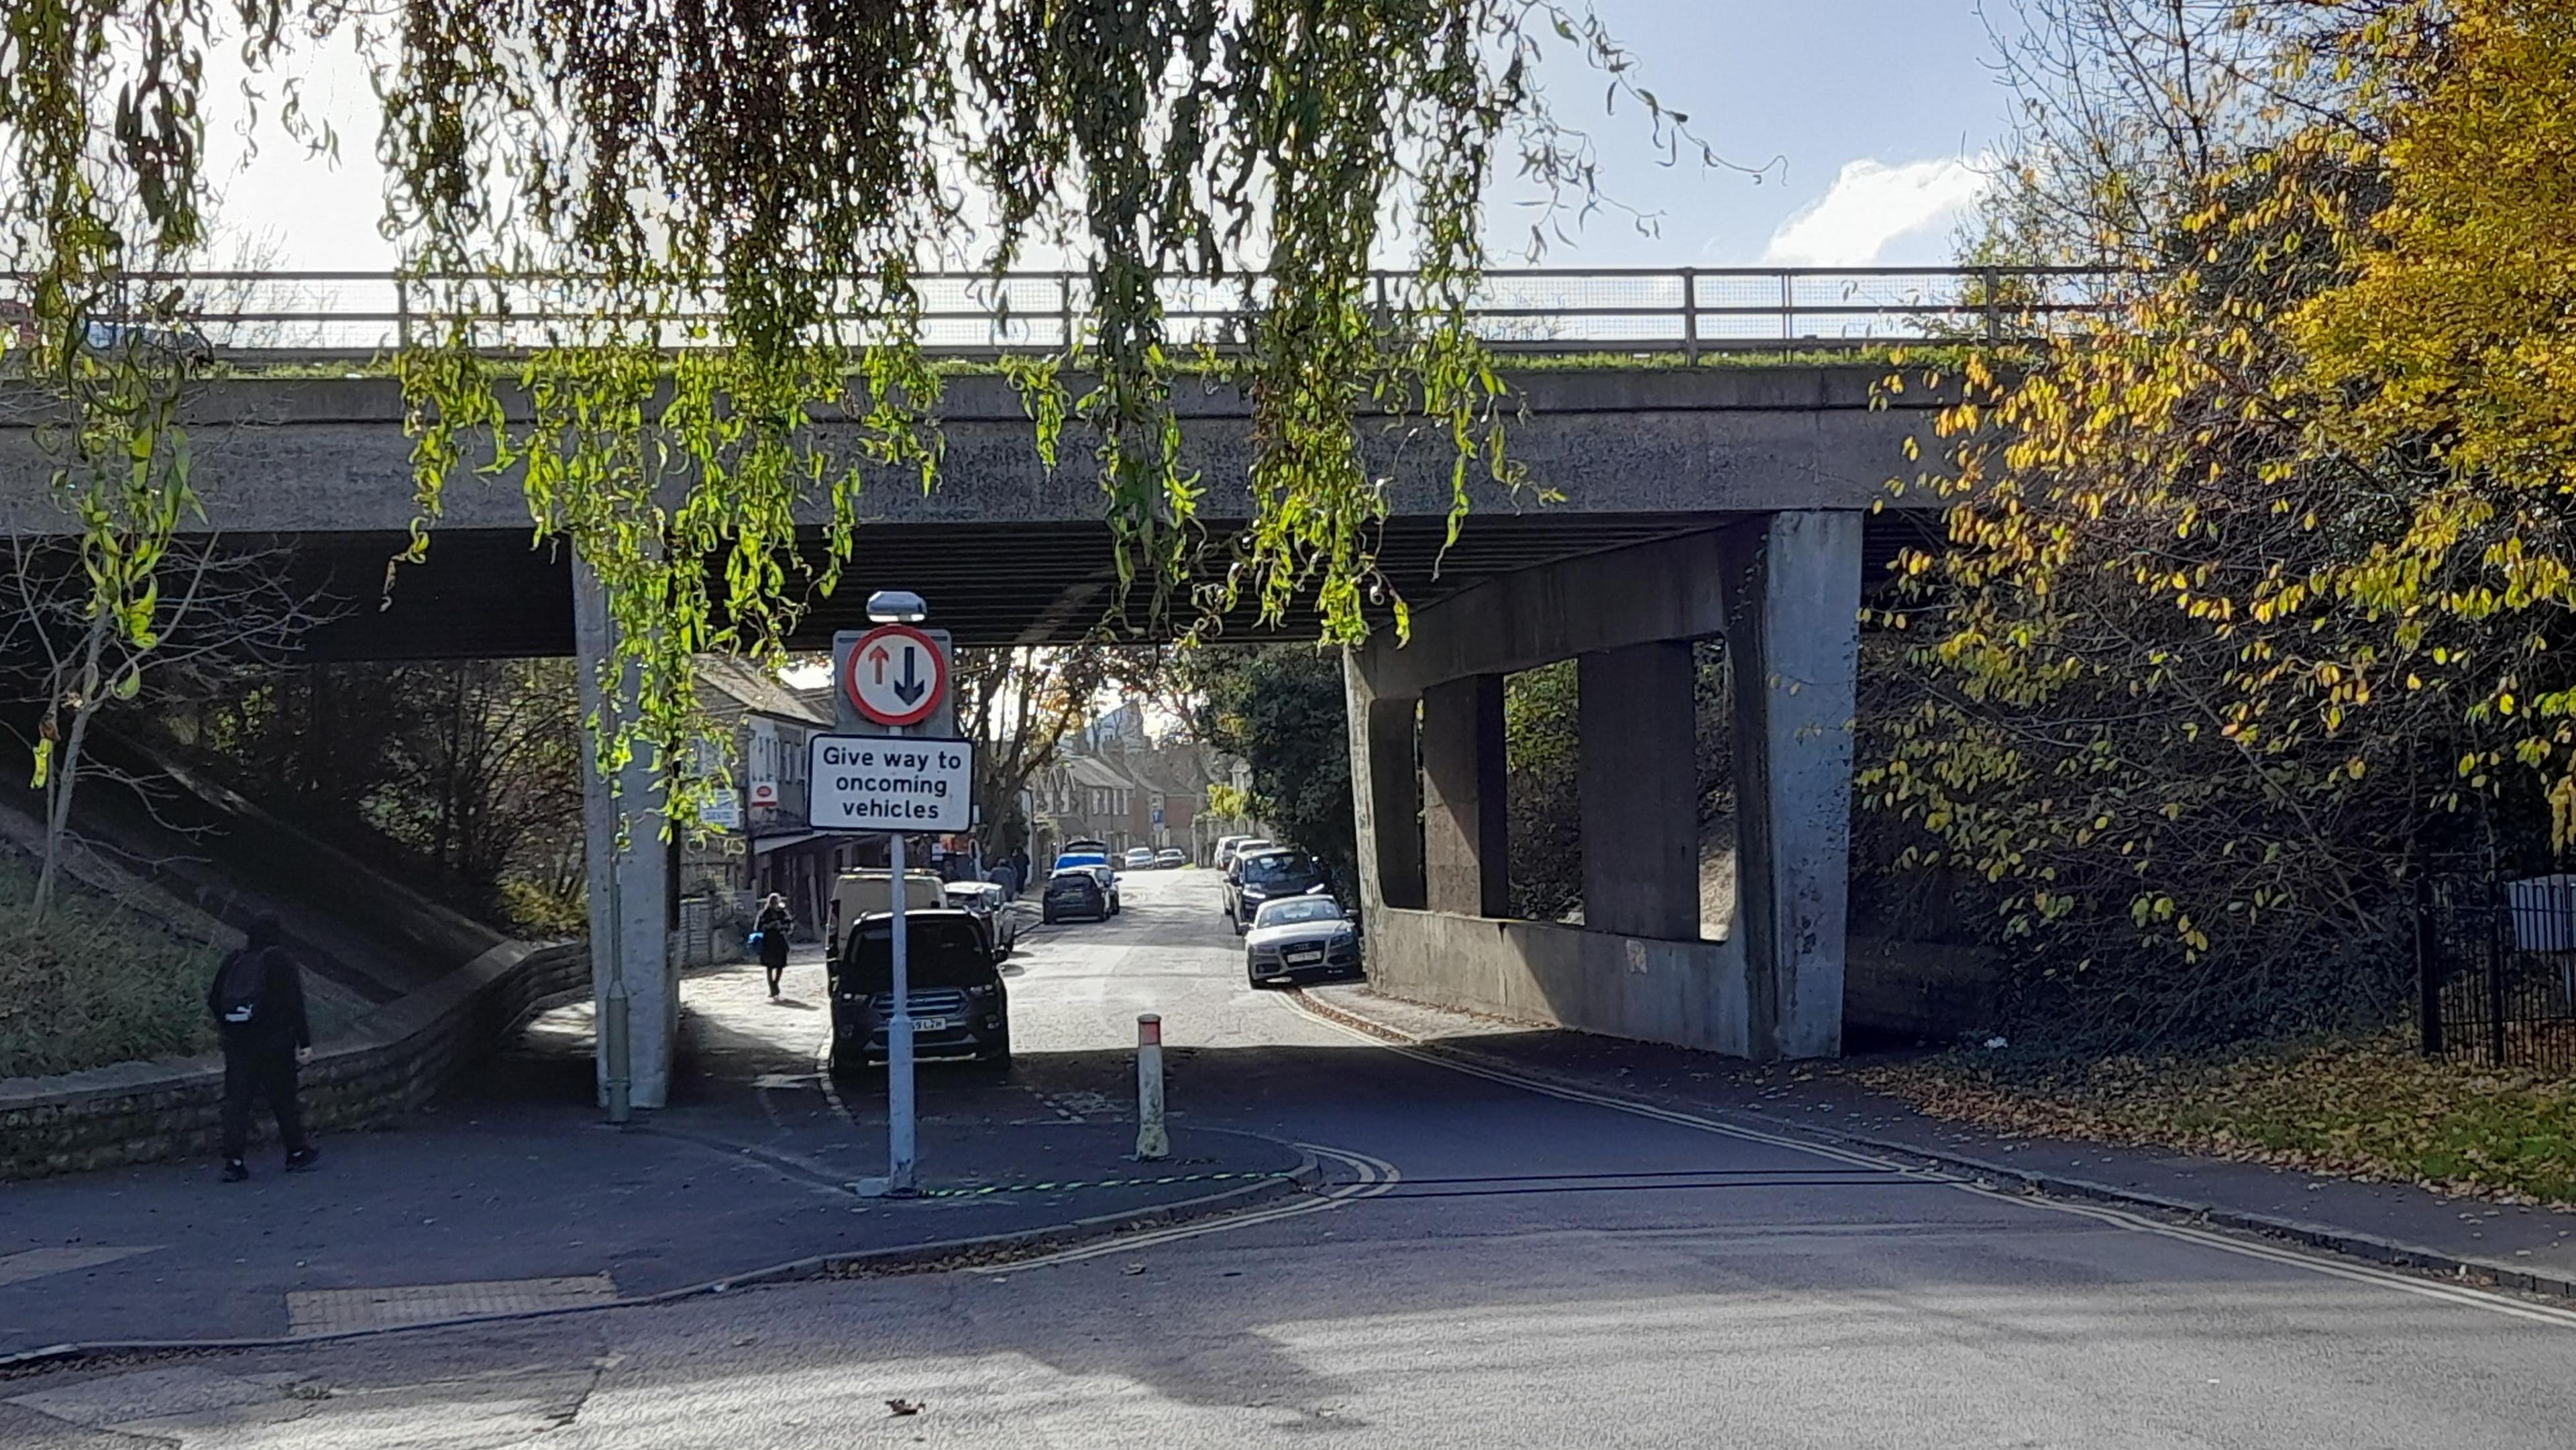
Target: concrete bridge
1696, 502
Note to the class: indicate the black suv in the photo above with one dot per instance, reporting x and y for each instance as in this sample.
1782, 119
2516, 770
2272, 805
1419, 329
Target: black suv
1071, 892
1268, 876
960, 1007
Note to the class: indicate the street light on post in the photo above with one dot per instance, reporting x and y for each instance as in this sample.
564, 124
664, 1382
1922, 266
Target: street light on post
897, 606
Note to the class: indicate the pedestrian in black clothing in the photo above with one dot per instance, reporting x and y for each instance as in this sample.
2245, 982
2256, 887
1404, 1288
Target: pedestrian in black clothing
257, 1000
775, 922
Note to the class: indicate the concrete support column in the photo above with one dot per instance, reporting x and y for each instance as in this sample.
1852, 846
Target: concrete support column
1792, 597
1386, 792
1640, 791
1465, 835
629, 870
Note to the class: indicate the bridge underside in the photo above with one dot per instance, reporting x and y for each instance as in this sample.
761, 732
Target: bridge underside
494, 594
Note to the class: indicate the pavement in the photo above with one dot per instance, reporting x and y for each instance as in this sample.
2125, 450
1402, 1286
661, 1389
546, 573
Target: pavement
753, 1168
1501, 1260
2520, 1246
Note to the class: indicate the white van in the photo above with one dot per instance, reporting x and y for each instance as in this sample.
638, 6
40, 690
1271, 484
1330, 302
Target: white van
871, 893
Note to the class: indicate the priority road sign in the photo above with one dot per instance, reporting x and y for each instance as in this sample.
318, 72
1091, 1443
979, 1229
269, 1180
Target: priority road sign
896, 675
901, 783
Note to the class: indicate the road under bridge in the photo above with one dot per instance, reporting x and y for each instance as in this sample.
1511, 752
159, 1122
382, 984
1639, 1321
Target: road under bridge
1662, 505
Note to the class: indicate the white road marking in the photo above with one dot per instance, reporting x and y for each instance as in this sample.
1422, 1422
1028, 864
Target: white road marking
1372, 1176
2119, 1218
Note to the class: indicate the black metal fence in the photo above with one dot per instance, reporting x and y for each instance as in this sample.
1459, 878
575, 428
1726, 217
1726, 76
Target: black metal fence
2496, 964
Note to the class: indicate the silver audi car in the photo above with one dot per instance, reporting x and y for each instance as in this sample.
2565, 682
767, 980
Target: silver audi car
1300, 938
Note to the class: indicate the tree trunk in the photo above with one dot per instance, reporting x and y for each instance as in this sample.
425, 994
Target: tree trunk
67, 762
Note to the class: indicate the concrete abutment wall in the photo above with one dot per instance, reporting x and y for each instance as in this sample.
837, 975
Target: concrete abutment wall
1784, 590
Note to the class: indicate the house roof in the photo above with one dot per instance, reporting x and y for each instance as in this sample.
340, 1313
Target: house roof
1174, 770
1091, 770
755, 689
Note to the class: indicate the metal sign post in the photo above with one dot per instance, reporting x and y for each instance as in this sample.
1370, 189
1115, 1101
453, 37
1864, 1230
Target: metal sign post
901, 1147
901, 785
892, 678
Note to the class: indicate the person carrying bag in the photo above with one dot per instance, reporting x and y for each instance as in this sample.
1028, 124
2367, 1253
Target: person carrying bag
257, 1001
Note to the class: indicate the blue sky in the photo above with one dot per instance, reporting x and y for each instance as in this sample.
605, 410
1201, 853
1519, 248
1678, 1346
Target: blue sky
1877, 110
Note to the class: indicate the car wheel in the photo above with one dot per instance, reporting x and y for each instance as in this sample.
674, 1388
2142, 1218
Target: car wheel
1046, 918
1237, 924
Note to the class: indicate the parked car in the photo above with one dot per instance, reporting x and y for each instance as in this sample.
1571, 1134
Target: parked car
1229, 847
1082, 846
1073, 892
1139, 858
1168, 859
953, 987
1298, 938
988, 903
1269, 876
1232, 866
1099, 867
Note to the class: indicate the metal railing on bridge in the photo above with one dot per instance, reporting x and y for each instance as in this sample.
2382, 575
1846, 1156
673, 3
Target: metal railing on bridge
285, 317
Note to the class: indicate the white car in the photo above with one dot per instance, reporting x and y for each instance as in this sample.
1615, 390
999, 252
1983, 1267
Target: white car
1298, 938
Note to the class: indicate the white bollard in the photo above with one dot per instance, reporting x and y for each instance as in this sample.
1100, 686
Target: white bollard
1152, 1143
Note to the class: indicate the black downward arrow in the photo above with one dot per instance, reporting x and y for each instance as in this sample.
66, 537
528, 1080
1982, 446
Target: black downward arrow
909, 688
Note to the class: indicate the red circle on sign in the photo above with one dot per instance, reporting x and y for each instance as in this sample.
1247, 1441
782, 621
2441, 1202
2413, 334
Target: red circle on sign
887, 661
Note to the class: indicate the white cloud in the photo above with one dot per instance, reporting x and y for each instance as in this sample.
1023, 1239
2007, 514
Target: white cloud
1872, 206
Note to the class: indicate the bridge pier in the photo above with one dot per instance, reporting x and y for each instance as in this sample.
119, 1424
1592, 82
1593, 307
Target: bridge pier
1784, 590
629, 872
1792, 593
1638, 785
1386, 792
1465, 826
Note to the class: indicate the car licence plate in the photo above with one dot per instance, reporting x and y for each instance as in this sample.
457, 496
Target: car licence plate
1307, 957
929, 1024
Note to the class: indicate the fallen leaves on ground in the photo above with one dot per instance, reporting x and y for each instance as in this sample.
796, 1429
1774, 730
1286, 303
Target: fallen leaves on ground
2367, 1108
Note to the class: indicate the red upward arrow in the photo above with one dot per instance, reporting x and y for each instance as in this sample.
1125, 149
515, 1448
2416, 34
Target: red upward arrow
877, 657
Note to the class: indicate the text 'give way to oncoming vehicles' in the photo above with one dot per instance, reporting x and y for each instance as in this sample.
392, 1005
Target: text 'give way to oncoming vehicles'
890, 783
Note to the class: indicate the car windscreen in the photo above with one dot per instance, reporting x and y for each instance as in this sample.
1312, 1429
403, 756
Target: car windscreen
1289, 870
1297, 909
940, 951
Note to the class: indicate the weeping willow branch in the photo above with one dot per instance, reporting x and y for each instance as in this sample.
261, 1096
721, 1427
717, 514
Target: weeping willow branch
735, 196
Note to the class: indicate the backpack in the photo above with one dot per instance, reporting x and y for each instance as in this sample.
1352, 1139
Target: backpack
240, 985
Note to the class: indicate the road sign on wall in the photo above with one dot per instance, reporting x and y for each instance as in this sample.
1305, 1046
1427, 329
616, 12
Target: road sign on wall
900, 783
896, 675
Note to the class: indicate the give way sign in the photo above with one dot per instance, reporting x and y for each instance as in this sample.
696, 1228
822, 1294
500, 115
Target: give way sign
896, 675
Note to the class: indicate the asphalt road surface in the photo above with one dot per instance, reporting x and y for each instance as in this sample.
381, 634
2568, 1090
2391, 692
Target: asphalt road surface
1502, 1267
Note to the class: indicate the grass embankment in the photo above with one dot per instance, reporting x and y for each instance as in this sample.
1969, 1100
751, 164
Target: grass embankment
2369, 1108
93, 983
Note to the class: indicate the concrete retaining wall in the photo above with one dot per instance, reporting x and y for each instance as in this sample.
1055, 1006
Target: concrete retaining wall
1690, 994
390, 1063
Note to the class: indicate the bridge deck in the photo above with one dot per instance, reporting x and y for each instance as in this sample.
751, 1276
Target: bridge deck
1007, 550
